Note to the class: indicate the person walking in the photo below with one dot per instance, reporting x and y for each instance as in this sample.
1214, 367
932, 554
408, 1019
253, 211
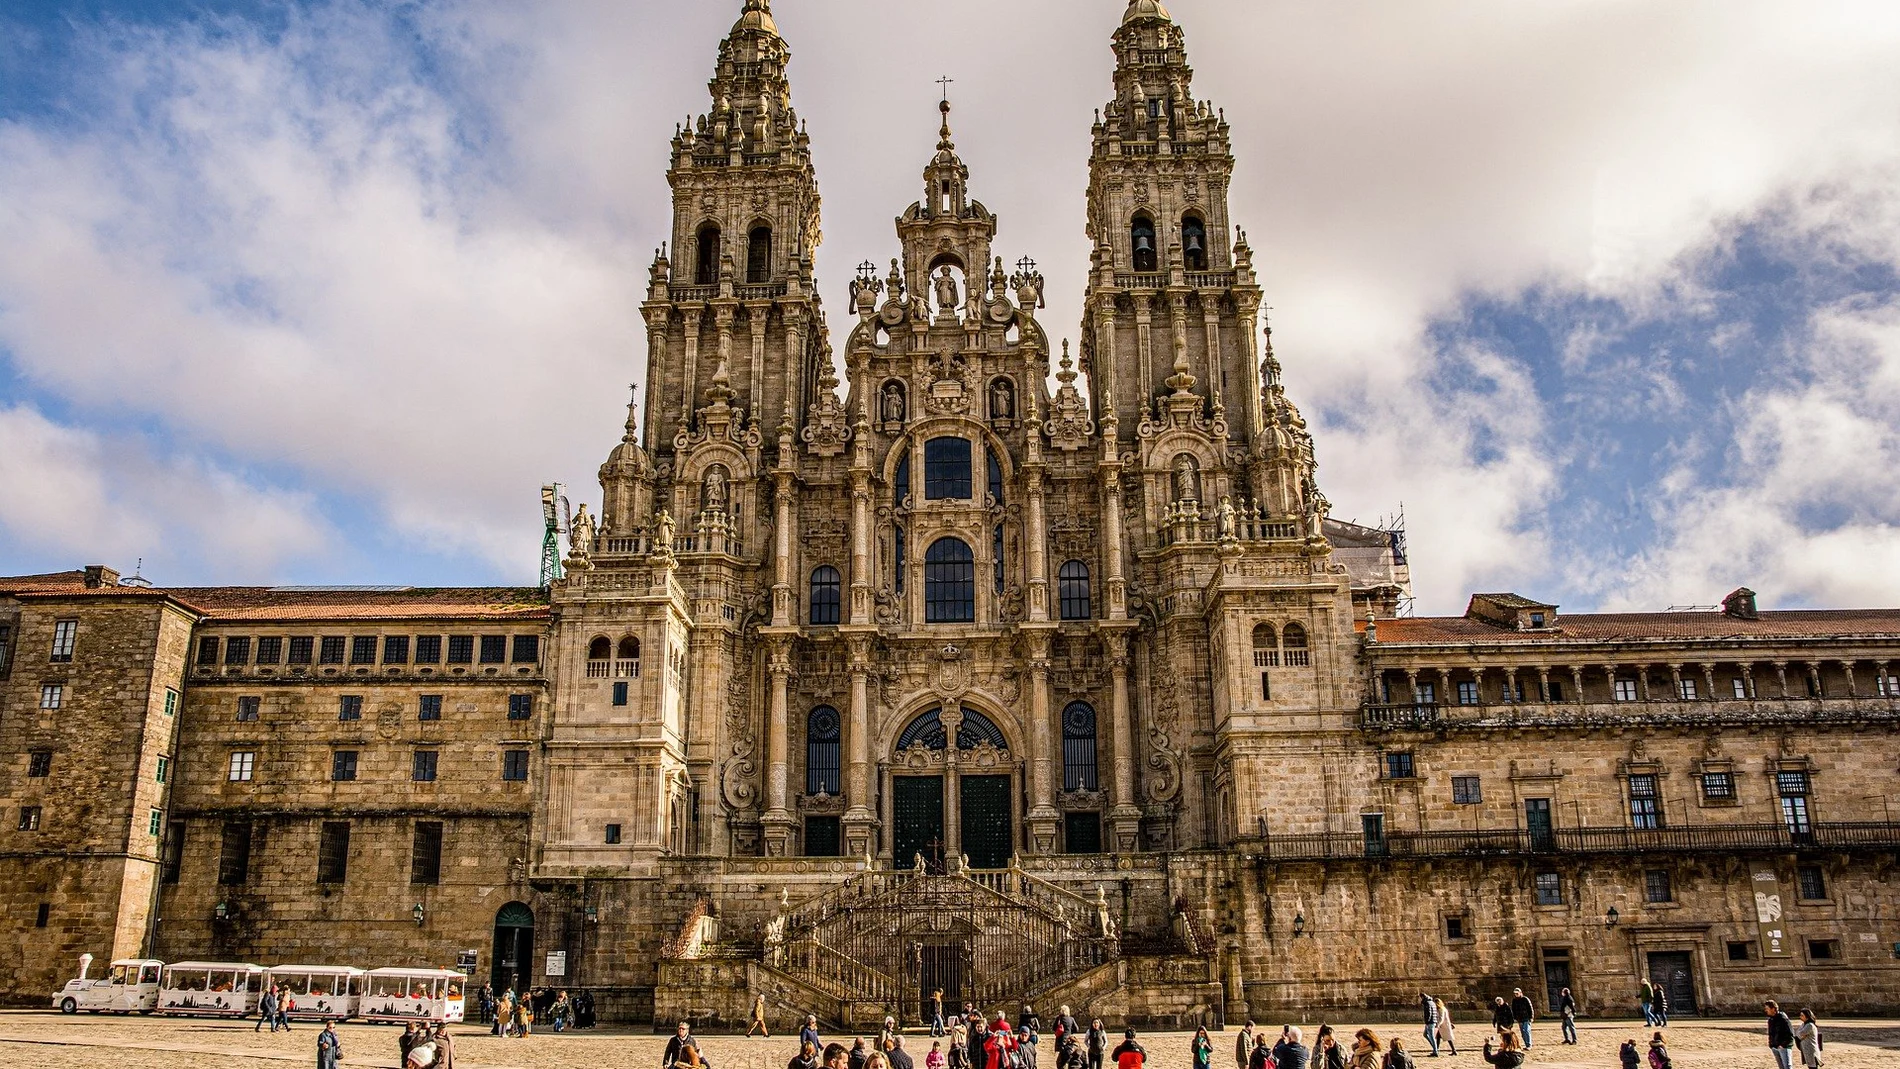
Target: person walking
1429, 1007
1066, 1029
1201, 1050
1243, 1046
1567, 1006
1509, 1054
1129, 1054
1097, 1043
1366, 1050
1291, 1052
1780, 1035
329, 1047
1661, 1008
1447, 1032
285, 1004
809, 1033
1500, 1016
1807, 1039
267, 1011
936, 1013
1397, 1057
1522, 1014
1629, 1056
1659, 1053
1648, 996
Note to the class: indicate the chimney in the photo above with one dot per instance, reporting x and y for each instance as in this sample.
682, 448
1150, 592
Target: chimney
1741, 605
98, 575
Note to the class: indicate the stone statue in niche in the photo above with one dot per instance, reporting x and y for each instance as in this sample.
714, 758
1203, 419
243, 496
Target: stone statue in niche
1186, 480
947, 298
1002, 400
893, 403
713, 497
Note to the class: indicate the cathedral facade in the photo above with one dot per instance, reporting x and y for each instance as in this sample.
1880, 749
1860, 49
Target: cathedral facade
894, 660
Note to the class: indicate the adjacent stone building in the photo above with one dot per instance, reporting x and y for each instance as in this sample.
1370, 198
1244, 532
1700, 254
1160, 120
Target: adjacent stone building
894, 660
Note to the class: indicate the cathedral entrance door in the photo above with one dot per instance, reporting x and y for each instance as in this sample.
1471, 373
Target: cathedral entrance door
988, 831
917, 812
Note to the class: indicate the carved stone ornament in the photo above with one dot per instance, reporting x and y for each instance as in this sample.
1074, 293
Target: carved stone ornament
1069, 426
951, 387
951, 676
827, 427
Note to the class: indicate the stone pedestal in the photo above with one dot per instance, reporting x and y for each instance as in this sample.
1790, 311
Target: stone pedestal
778, 825
860, 832
1124, 828
1044, 825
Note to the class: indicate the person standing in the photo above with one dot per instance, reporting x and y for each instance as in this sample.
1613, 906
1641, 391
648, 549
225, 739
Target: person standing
1629, 1056
1567, 1006
444, 1047
1508, 1055
267, 1010
1327, 1053
935, 1059
936, 1013
1522, 1014
1648, 996
1808, 1039
1780, 1034
1066, 1040
809, 1033
1500, 1016
1000, 1050
1243, 1047
1097, 1043
1366, 1050
329, 1047
1447, 1032
1130, 1054
979, 1043
1659, 1053
406, 1042
807, 1057
1262, 1056
1291, 1052
1429, 1007
897, 1055
1201, 1050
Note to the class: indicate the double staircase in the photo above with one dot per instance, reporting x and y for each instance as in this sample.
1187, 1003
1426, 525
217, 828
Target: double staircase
883, 942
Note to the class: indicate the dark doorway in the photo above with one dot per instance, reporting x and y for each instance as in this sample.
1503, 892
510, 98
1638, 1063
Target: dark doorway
917, 810
1556, 978
940, 968
987, 839
1537, 824
1082, 833
513, 967
822, 837
1672, 972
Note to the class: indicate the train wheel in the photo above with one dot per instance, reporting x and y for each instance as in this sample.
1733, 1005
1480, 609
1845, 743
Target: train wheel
69, 1006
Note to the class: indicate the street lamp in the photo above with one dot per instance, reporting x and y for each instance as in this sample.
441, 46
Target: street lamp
1299, 924
1610, 918
222, 912
418, 914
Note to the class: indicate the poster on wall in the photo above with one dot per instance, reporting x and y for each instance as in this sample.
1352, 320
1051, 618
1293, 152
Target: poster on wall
1774, 937
465, 961
557, 963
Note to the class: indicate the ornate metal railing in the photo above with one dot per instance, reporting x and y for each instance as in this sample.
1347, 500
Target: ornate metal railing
1507, 842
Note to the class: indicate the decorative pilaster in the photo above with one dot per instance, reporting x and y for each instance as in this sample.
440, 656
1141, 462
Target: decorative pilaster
1124, 819
778, 819
1043, 815
860, 822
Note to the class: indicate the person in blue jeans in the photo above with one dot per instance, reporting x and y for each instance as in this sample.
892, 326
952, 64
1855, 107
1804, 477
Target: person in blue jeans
1780, 1034
1522, 1014
1429, 1006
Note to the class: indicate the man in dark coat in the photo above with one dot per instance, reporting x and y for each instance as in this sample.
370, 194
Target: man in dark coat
859, 1054
1291, 1052
979, 1043
677, 1047
1522, 1014
1780, 1034
444, 1048
1500, 1015
898, 1056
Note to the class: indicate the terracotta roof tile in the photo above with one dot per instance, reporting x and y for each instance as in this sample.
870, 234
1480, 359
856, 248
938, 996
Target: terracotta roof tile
277, 603
1649, 626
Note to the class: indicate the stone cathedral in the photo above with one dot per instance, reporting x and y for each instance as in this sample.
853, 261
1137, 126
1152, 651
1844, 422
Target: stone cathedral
894, 659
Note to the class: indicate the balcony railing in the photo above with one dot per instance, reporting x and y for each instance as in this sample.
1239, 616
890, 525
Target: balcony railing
1432, 716
1508, 842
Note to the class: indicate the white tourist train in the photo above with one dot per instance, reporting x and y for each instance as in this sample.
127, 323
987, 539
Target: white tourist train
319, 992
129, 985
210, 989
232, 989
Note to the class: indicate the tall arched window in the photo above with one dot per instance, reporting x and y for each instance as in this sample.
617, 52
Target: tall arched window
996, 476
949, 583
600, 649
758, 255
1266, 646
947, 469
1293, 642
1295, 637
706, 267
897, 556
1194, 243
629, 649
1078, 747
821, 751
826, 589
1072, 590
1143, 236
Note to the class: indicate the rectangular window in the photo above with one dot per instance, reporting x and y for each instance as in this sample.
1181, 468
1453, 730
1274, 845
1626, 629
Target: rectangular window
172, 860
39, 764
1791, 783
65, 637
1645, 806
1466, 790
301, 647
520, 706
1468, 692
423, 770
171, 702
1824, 950
363, 649
396, 649
527, 649
947, 469
428, 649
237, 651
430, 707
1398, 766
1550, 889
461, 649
249, 708
164, 768
1739, 687
1718, 786
6, 651
333, 852
620, 694
1657, 886
343, 766
613, 835
1812, 883
243, 762
349, 707
514, 765
270, 649
330, 650
53, 696
1455, 928
234, 853
154, 822
494, 649
1686, 688
29, 818
425, 856
1740, 950
1266, 688
1794, 814
1427, 694
208, 650
1625, 690
44, 916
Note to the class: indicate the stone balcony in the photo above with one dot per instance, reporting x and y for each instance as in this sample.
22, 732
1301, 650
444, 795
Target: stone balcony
1725, 712
1575, 842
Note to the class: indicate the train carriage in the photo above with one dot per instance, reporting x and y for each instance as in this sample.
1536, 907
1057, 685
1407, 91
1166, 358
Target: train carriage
130, 985
320, 992
210, 989
413, 995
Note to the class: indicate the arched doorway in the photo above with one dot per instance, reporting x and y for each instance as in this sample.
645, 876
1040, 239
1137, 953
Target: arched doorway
946, 802
513, 959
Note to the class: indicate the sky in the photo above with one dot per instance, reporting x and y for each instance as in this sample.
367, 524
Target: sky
1602, 297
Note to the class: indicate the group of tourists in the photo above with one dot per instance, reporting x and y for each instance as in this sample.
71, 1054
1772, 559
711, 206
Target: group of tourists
426, 1046
969, 1040
273, 1008
514, 1016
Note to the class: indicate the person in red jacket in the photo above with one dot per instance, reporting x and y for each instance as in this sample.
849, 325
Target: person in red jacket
1001, 1045
1130, 1055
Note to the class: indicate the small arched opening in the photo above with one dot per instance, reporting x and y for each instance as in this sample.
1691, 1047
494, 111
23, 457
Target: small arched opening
1142, 237
1194, 242
758, 255
706, 261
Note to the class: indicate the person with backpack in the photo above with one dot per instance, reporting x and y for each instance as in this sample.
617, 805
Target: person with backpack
1628, 1055
1659, 1053
1262, 1057
1397, 1057
1429, 1006
1567, 1007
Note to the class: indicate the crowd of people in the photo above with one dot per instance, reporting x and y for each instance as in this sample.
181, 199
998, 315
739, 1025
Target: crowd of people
514, 1016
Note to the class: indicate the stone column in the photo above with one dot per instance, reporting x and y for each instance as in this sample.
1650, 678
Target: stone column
1848, 667
1781, 677
1675, 682
1112, 539
952, 717
778, 821
1883, 682
862, 532
1748, 681
1708, 680
859, 820
1043, 815
1125, 818
1543, 684
1576, 680
690, 384
784, 538
1036, 538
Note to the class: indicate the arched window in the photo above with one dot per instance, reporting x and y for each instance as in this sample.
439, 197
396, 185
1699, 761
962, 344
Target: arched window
1293, 642
629, 649
758, 255
900, 485
1143, 236
600, 649
706, 267
996, 476
1078, 747
826, 585
949, 583
1266, 646
1194, 242
1072, 590
974, 730
947, 469
1295, 637
821, 751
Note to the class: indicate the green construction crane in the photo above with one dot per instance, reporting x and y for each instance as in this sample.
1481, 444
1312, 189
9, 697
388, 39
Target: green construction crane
554, 513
